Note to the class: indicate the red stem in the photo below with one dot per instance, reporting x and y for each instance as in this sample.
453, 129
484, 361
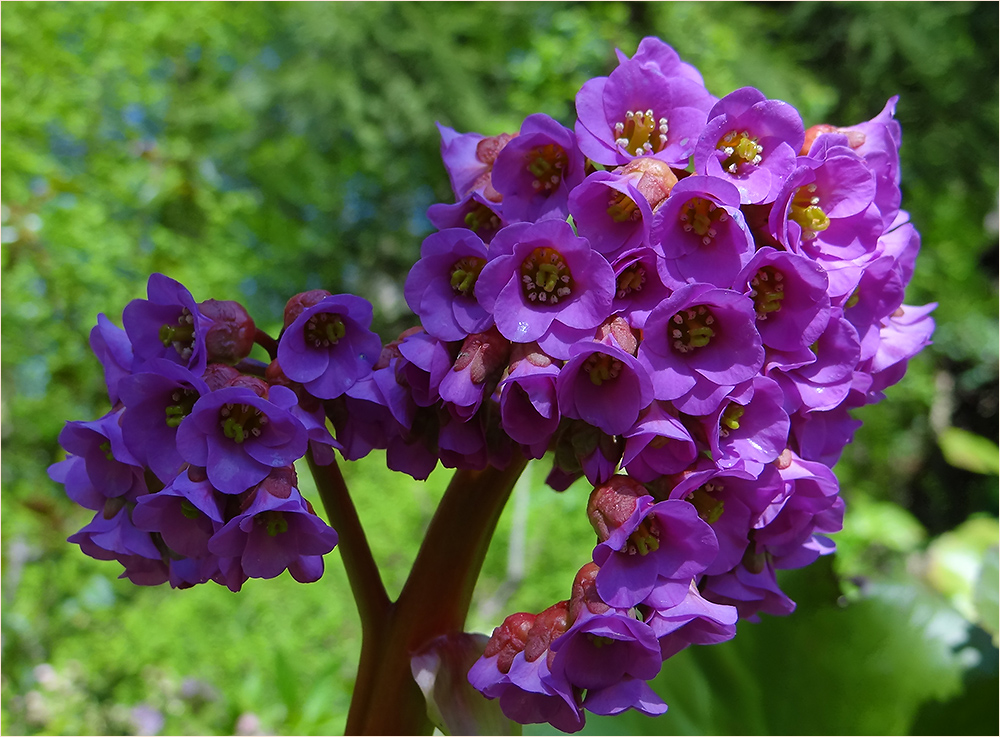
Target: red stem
434, 601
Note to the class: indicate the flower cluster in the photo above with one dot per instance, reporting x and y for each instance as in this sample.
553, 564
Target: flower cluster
680, 299
191, 474
683, 297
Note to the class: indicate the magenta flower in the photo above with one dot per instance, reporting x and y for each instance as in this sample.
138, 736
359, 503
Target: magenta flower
469, 159
611, 212
329, 346
239, 436
693, 621
440, 287
701, 233
749, 428
642, 108
273, 534
473, 212
544, 284
666, 540
111, 346
536, 170
529, 411
167, 325
156, 402
698, 345
639, 288
657, 444
604, 386
751, 142
789, 294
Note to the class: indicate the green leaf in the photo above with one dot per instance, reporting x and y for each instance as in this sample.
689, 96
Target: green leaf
966, 450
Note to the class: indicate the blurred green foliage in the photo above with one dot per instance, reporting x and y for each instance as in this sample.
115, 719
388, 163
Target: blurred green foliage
256, 150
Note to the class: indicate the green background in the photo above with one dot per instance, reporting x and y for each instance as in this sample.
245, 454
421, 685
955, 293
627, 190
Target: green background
255, 150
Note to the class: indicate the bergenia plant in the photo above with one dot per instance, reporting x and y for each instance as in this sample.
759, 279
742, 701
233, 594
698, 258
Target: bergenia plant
676, 299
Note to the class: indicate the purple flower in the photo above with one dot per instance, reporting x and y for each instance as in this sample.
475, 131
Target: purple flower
698, 345
657, 444
543, 284
692, 621
239, 436
536, 170
167, 325
638, 285
646, 106
903, 335
666, 540
752, 142
273, 534
879, 294
601, 650
475, 373
440, 287
731, 501
473, 212
109, 466
112, 536
156, 402
824, 209
604, 386
749, 428
825, 382
528, 403
750, 591
701, 234
611, 212
789, 296
425, 362
112, 348
186, 513
469, 159
328, 347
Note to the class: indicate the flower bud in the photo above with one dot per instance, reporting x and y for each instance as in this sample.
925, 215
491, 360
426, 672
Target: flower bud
548, 626
612, 503
656, 181
218, 375
256, 385
585, 593
484, 354
509, 639
616, 328
231, 336
302, 301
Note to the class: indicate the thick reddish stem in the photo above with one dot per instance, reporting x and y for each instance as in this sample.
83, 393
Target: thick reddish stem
434, 601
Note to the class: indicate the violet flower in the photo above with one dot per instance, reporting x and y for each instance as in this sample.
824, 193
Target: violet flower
751, 142
544, 284
536, 170
657, 444
239, 436
328, 347
273, 534
698, 345
604, 386
111, 346
701, 234
167, 325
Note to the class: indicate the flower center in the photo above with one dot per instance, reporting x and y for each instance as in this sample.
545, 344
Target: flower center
730, 418
739, 148
324, 329
645, 539
602, 367
691, 329
546, 164
631, 280
464, 273
767, 291
480, 217
807, 212
700, 217
545, 276
183, 400
622, 208
275, 522
189, 510
241, 421
709, 508
180, 335
641, 133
